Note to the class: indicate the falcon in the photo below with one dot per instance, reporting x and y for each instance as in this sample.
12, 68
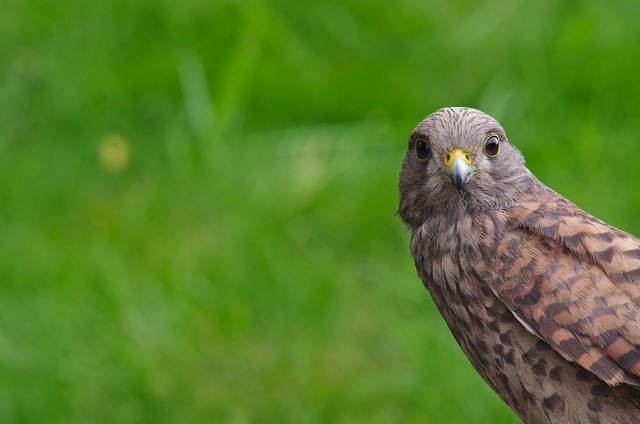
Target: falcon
543, 298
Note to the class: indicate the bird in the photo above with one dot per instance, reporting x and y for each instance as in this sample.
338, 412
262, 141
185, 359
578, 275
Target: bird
542, 297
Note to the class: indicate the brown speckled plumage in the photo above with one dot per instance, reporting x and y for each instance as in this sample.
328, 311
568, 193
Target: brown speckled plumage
543, 298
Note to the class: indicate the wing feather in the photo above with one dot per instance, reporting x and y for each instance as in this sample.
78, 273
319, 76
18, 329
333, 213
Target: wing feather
575, 281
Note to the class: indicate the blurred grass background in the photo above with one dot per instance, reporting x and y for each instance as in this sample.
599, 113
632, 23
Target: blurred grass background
198, 197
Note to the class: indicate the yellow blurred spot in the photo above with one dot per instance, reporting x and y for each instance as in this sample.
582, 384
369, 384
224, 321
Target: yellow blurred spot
114, 152
449, 157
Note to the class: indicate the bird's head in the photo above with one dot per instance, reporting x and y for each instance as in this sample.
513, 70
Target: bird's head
458, 161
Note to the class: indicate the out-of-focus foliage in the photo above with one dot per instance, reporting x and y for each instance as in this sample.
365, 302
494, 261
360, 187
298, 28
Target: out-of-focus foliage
198, 197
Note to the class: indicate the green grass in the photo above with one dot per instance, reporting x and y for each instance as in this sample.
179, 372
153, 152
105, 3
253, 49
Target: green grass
245, 265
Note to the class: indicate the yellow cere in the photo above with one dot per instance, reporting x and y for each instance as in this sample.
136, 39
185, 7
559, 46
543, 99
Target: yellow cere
448, 157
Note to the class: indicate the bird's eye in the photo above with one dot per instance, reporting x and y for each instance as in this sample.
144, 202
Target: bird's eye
423, 149
492, 146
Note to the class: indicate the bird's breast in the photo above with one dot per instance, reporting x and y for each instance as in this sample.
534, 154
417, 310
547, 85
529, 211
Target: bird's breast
455, 254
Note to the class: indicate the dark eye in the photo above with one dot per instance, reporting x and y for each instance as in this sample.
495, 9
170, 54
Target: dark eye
492, 146
423, 149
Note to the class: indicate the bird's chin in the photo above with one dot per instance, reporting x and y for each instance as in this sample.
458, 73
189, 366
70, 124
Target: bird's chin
463, 191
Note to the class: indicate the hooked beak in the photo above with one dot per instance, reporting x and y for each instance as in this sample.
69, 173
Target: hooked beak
458, 167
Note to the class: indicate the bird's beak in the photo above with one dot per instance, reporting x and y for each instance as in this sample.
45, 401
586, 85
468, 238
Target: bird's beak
458, 167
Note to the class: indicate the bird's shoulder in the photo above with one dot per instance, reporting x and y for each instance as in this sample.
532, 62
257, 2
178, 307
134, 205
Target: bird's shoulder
548, 215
